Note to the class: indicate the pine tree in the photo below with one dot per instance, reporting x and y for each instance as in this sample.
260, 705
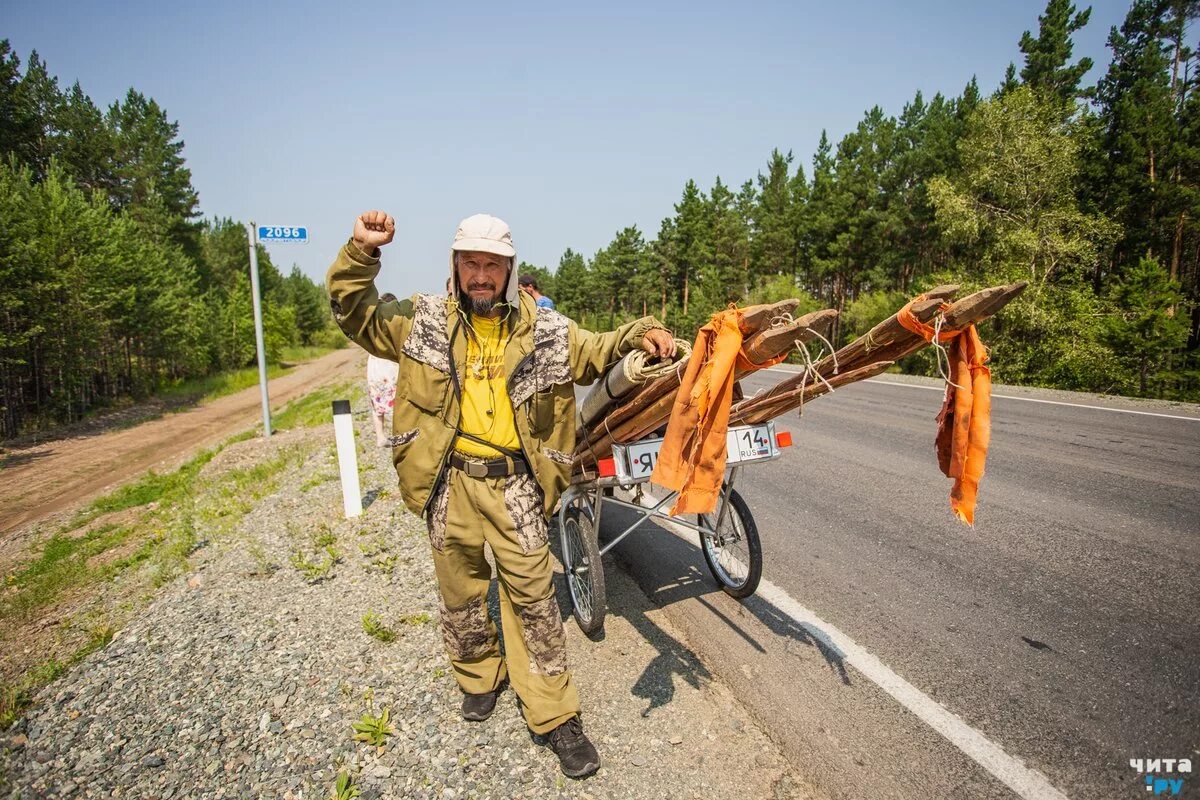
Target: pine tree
773, 246
86, 148
573, 285
150, 169
41, 92
1143, 331
1009, 83
724, 277
20, 127
1047, 57
693, 247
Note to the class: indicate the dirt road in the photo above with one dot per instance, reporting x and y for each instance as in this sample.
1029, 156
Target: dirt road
56, 476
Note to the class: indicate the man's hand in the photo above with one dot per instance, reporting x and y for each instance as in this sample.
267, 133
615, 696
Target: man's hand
658, 342
373, 229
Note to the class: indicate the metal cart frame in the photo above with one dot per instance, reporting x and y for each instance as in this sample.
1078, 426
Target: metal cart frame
731, 524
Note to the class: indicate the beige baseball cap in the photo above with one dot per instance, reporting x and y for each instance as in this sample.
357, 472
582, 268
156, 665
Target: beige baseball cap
486, 234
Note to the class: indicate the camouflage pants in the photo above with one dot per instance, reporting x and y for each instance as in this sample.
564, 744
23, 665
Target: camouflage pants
506, 514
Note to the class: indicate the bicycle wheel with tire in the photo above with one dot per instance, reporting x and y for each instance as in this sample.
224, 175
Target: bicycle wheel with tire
584, 571
733, 553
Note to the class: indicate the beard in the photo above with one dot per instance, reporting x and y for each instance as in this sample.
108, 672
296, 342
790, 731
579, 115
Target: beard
482, 305
479, 305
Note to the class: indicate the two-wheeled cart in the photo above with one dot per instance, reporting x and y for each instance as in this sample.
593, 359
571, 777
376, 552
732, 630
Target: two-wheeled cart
728, 536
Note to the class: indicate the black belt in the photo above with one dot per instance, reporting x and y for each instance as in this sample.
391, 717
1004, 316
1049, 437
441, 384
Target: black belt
493, 468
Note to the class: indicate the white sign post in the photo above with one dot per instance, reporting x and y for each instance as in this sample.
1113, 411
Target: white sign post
343, 435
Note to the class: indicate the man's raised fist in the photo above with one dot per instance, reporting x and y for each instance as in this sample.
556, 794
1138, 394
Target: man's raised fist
373, 229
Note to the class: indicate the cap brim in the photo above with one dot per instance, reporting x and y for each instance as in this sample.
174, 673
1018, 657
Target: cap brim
485, 246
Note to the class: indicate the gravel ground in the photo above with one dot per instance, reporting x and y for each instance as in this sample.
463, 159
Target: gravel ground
242, 678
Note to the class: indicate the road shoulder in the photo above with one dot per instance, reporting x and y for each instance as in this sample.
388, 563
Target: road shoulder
243, 677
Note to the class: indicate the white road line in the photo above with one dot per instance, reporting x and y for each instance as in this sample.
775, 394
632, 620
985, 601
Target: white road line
1013, 397
1027, 783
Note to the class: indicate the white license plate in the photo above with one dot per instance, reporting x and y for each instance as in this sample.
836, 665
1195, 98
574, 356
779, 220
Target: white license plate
746, 443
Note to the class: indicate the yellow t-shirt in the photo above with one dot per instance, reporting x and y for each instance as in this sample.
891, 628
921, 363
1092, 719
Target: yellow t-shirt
486, 409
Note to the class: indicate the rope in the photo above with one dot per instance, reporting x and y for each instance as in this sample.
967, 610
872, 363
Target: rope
940, 350
870, 344
931, 333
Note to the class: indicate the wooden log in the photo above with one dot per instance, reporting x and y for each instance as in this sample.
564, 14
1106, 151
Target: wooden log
635, 405
977, 307
774, 342
766, 346
870, 348
756, 318
750, 413
969, 310
651, 409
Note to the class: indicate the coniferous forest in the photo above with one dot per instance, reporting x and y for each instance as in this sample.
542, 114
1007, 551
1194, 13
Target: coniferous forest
1089, 192
112, 285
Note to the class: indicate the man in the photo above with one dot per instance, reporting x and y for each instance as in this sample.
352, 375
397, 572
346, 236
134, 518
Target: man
483, 430
528, 284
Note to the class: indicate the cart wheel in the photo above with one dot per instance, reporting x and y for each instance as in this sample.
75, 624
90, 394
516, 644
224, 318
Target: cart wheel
584, 571
734, 554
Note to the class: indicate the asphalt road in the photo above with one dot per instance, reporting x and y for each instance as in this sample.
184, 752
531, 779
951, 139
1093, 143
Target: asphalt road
1063, 627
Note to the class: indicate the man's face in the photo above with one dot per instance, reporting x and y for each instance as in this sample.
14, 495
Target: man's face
482, 276
527, 288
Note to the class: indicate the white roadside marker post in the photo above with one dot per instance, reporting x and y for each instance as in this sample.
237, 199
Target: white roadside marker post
343, 434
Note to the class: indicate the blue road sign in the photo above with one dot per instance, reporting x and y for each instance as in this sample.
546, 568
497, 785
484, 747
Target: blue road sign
282, 233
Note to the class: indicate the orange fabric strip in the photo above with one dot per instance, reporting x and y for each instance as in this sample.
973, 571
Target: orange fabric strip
692, 458
909, 320
977, 436
964, 423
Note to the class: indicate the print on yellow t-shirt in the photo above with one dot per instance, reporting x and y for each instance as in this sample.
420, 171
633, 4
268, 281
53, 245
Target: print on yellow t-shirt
486, 409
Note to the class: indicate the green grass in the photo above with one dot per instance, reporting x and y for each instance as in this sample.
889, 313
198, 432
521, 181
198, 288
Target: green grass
15, 697
385, 564
324, 536
316, 571
316, 408
210, 387
151, 487
344, 788
317, 480
374, 730
373, 626
167, 534
156, 543
300, 354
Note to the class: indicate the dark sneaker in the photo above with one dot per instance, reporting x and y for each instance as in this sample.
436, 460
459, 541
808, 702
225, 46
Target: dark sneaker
576, 755
478, 707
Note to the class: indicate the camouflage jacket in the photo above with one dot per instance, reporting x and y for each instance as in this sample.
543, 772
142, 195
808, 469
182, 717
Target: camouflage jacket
546, 354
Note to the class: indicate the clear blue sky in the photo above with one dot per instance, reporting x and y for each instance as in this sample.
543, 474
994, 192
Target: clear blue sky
569, 120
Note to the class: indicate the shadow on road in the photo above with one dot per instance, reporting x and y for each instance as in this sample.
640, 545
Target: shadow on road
20, 459
656, 684
672, 572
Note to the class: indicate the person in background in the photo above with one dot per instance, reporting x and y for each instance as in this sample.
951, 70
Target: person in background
528, 284
381, 387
